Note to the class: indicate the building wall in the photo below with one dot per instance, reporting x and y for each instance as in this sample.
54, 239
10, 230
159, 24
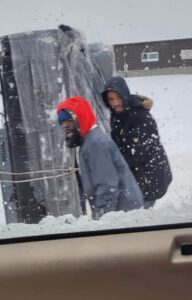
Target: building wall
153, 55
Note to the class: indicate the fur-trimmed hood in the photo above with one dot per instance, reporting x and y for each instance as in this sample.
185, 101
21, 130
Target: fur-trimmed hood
118, 84
139, 101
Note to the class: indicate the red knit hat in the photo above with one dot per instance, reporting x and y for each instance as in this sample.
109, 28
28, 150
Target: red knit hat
83, 111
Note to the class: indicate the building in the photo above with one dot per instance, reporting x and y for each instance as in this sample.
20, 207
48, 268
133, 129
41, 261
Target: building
151, 58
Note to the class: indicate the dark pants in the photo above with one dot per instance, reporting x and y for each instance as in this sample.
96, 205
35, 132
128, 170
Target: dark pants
148, 204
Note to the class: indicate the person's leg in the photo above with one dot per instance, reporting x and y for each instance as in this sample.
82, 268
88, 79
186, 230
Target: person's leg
148, 204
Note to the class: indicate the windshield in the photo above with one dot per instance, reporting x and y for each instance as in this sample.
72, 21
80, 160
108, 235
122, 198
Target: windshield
95, 115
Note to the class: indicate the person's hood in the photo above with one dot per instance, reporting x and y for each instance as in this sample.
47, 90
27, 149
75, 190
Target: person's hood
143, 101
81, 107
119, 85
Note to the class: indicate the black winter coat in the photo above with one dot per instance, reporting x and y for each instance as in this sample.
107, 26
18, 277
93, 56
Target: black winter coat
135, 132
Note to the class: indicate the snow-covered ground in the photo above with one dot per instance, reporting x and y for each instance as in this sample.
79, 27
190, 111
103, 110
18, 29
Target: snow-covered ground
173, 112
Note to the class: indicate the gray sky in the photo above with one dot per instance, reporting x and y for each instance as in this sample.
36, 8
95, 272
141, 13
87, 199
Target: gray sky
108, 21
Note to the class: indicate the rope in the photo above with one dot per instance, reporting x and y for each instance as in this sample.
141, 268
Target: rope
39, 171
69, 171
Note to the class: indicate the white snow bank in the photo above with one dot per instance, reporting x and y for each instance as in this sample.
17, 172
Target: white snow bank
112, 220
